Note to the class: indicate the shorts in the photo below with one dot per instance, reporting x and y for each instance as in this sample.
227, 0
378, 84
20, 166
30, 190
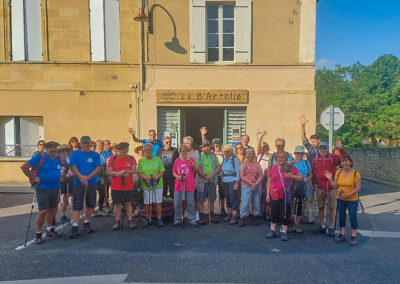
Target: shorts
122, 196
79, 196
221, 191
152, 196
321, 196
209, 187
47, 198
67, 185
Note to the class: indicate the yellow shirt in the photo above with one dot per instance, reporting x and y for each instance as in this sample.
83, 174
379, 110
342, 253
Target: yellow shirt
347, 184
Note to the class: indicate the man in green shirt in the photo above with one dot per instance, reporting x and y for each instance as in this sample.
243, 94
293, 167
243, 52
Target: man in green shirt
206, 184
151, 170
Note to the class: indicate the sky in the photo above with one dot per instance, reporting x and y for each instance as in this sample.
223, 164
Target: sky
356, 30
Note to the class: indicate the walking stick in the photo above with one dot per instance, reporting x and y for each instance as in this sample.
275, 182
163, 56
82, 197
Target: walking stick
183, 197
336, 213
30, 216
209, 209
121, 214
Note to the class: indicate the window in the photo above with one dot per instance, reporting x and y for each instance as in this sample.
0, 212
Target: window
220, 32
19, 135
26, 32
104, 30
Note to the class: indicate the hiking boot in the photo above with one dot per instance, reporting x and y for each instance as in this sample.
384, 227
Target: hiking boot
223, 213
74, 232
214, 219
241, 222
284, 236
194, 224
146, 223
353, 241
228, 218
331, 232
233, 221
116, 226
86, 228
271, 234
254, 221
160, 223
201, 219
64, 219
131, 225
52, 233
38, 239
340, 238
298, 229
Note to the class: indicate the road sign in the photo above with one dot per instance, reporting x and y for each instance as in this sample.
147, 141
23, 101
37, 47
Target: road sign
338, 118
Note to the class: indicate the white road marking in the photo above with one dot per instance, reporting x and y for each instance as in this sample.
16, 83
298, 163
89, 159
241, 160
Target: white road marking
95, 279
44, 236
379, 234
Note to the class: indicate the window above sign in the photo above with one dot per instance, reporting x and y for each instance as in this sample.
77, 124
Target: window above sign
220, 31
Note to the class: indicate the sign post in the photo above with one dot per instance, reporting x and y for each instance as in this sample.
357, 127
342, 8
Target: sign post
332, 118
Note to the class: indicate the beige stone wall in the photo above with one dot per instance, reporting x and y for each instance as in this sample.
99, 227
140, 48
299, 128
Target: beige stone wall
10, 171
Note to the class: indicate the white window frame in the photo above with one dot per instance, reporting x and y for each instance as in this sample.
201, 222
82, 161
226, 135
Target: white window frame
221, 32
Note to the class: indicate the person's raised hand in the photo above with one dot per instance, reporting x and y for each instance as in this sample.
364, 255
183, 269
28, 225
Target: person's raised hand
303, 120
328, 175
203, 130
264, 133
131, 131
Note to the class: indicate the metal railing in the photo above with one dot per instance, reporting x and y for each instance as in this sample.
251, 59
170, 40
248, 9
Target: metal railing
17, 150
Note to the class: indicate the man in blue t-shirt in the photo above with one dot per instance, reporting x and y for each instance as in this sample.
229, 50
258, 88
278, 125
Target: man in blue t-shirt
44, 170
85, 164
157, 144
106, 150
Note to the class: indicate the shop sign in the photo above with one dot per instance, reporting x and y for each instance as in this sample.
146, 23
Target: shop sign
202, 96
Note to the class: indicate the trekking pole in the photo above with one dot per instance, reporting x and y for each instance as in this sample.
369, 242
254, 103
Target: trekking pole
209, 207
121, 214
183, 197
150, 192
336, 213
30, 216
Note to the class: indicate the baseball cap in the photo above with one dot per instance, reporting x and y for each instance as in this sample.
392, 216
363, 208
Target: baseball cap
51, 144
85, 139
299, 149
63, 146
216, 141
205, 142
323, 144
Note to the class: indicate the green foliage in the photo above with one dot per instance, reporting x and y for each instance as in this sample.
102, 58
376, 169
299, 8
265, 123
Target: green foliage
368, 95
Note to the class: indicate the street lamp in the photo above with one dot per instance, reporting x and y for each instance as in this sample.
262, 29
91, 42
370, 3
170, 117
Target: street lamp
141, 17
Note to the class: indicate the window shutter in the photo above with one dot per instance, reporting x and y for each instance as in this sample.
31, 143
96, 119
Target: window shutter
17, 30
33, 30
97, 30
112, 32
198, 31
243, 31
9, 136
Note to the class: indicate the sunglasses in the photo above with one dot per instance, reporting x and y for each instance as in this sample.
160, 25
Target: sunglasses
238, 148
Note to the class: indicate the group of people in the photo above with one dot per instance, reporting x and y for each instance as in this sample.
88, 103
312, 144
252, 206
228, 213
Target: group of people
250, 182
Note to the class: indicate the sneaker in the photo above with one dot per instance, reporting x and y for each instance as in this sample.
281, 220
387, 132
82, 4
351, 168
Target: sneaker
38, 239
223, 213
214, 219
233, 221
284, 236
160, 223
271, 234
116, 226
146, 223
340, 238
74, 232
320, 230
86, 228
298, 229
331, 232
177, 223
241, 222
131, 225
201, 219
353, 241
194, 224
228, 218
52, 233
64, 219
254, 221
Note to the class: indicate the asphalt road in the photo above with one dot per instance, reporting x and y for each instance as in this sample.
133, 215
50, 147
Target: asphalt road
208, 254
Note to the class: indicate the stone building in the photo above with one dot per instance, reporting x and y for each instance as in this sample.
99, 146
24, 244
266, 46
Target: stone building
75, 67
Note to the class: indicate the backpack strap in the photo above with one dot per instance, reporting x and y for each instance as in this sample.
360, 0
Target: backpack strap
114, 159
40, 162
130, 159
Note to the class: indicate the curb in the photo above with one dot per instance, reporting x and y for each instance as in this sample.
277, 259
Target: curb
381, 181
